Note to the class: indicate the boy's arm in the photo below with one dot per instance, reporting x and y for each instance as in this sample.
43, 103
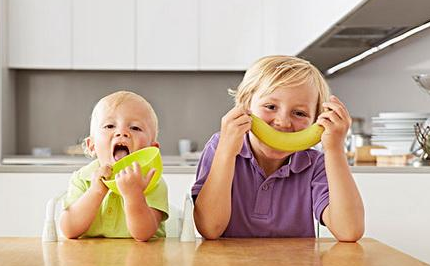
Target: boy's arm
213, 204
344, 215
142, 220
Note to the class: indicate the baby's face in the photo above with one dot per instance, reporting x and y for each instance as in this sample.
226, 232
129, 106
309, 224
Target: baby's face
122, 130
285, 109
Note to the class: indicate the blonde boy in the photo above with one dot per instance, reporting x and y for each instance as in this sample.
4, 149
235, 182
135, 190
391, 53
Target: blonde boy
121, 123
246, 189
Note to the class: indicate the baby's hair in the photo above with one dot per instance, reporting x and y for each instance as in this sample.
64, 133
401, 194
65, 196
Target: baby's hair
113, 100
272, 72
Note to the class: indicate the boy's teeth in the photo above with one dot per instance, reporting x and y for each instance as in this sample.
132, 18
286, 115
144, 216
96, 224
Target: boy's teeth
120, 154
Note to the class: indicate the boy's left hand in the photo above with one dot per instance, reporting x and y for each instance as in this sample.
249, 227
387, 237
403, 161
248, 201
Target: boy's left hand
130, 181
336, 123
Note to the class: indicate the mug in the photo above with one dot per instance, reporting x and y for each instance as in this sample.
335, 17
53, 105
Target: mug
185, 146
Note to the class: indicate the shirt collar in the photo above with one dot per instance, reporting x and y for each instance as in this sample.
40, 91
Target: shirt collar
88, 169
298, 161
246, 151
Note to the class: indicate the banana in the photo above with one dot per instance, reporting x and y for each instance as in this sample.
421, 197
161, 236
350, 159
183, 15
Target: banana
286, 141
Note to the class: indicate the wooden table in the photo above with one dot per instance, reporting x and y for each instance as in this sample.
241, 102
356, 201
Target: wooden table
286, 251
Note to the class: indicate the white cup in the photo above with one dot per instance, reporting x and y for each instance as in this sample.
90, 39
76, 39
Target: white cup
184, 146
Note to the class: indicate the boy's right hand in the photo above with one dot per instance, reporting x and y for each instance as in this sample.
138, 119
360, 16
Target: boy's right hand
97, 184
234, 125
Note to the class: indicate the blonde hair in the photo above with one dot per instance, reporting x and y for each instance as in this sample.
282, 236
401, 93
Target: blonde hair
113, 100
271, 72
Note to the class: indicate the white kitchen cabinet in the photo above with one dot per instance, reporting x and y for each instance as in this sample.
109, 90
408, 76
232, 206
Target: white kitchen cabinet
163, 35
167, 35
40, 34
104, 34
178, 185
397, 210
24, 197
291, 26
230, 34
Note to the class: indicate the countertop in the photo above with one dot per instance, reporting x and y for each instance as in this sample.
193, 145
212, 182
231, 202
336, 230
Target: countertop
172, 165
170, 251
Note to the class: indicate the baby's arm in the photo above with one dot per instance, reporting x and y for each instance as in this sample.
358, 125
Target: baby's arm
77, 218
213, 204
344, 215
142, 221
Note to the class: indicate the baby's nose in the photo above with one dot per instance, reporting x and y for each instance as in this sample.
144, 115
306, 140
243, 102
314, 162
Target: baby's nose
122, 133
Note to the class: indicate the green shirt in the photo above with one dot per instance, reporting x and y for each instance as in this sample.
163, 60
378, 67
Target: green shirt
110, 220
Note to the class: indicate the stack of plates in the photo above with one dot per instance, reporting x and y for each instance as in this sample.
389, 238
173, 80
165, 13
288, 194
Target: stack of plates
395, 131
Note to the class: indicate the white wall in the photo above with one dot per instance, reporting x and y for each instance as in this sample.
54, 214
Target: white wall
7, 94
384, 83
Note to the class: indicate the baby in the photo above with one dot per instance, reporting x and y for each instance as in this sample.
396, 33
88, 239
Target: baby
121, 123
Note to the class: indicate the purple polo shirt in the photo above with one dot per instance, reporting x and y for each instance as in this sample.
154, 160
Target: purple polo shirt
281, 205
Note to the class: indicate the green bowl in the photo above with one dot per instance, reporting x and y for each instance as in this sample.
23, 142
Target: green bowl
147, 158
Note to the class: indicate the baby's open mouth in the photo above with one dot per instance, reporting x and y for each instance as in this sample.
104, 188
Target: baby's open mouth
120, 151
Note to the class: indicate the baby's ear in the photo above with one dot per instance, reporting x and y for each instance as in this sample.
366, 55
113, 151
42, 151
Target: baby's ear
89, 147
155, 144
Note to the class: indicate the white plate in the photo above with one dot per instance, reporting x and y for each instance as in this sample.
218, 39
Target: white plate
388, 152
393, 144
397, 120
392, 139
384, 130
401, 115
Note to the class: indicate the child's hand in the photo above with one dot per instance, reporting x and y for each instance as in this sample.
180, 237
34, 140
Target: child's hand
336, 123
234, 125
130, 181
97, 185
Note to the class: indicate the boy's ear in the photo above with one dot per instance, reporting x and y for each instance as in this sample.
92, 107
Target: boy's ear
90, 146
155, 144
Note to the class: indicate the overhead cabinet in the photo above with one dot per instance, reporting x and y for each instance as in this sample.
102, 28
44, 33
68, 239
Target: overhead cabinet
230, 34
40, 34
104, 34
163, 35
167, 35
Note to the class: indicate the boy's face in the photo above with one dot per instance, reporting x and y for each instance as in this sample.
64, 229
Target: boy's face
287, 109
120, 131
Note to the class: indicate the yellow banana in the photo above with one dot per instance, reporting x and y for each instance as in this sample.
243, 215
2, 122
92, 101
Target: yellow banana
286, 141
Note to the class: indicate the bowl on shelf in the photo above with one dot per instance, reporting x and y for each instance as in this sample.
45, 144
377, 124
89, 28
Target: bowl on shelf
423, 81
147, 158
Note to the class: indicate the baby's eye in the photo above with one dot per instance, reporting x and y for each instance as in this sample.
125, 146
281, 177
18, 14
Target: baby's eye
136, 128
270, 106
109, 126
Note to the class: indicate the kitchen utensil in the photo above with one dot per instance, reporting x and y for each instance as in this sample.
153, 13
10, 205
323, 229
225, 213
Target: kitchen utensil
423, 81
147, 158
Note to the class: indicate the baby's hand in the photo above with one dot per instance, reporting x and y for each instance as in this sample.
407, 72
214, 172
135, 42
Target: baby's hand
130, 181
97, 184
234, 125
336, 123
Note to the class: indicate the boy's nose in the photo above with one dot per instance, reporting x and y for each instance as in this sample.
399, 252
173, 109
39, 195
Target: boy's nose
283, 121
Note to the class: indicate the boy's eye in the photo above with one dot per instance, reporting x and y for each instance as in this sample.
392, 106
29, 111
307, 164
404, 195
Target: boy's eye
109, 126
270, 106
300, 113
136, 128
